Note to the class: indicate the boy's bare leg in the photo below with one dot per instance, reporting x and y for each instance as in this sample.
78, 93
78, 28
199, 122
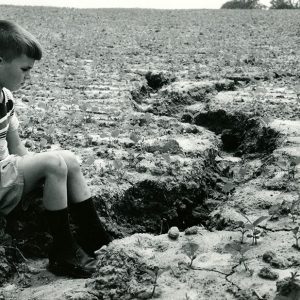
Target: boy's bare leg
78, 190
62, 174
91, 234
64, 180
51, 168
65, 256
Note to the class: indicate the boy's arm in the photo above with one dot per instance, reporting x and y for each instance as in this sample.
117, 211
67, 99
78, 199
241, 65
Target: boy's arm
14, 143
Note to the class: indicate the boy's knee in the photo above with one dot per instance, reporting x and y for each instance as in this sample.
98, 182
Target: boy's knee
71, 161
55, 164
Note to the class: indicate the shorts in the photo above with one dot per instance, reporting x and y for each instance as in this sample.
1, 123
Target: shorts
11, 183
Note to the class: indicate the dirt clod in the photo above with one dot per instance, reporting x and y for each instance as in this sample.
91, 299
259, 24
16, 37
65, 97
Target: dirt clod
267, 273
173, 233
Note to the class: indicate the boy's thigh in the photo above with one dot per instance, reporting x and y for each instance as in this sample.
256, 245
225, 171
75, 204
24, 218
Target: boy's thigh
22, 177
11, 184
69, 158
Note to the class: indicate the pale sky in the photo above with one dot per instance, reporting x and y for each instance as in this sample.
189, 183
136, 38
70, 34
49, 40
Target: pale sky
160, 4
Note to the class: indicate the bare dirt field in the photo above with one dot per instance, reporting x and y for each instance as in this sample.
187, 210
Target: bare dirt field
186, 119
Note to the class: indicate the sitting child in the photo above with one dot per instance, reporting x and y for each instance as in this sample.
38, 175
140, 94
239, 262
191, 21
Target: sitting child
58, 171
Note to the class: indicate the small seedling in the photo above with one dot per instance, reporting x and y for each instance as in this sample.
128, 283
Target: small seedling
139, 242
228, 187
297, 91
294, 276
294, 212
255, 233
157, 271
289, 165
274, 211
190, 249
241, 250
243, 172
187, 297
292, 170
296, 234
242, 229
118, 166
288, 288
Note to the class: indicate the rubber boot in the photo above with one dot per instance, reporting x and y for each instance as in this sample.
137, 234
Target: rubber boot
66, 257
90, 233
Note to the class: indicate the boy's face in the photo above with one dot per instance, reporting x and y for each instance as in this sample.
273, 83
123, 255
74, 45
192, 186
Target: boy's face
14, 73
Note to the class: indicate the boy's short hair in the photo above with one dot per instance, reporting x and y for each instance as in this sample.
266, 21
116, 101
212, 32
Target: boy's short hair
15, 41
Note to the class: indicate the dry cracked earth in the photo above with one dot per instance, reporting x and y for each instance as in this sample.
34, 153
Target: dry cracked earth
178, 121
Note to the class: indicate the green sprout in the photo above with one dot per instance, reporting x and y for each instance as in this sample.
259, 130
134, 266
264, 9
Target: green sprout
228, 189
190, 248
187, 297
242, 229
289, 166
157, 271
294, 209
255, 233
120, 171
296, 234
292, 170
139, 143
241, 249
274, 211
294, 276
297, 91
288, 288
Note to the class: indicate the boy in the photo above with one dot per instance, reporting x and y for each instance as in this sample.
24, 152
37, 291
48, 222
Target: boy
59, 171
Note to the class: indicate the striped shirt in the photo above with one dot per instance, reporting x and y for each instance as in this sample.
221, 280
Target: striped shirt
8, 120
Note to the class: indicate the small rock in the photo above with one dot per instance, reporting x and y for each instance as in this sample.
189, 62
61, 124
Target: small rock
279, 263
268, 256
156, 79
267, 273
25, 99
294, 261
29, 144
191, 230
173, 233
171, 146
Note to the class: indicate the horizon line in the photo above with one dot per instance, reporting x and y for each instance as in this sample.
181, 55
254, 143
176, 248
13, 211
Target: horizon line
133, 7
73, 7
